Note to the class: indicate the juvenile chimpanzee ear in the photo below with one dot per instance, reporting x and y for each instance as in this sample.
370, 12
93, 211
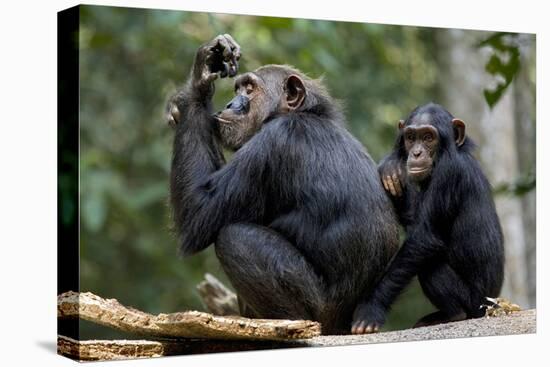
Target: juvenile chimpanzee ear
401, 124
459, 128
295, 92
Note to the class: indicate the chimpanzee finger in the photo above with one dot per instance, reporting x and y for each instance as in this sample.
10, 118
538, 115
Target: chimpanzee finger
397, 184
211, 77
359, 327
373, 327
175, 113
234, 55
390, 185
225, 70
171, 121
386, 187
233, 67
222, 46
235, 48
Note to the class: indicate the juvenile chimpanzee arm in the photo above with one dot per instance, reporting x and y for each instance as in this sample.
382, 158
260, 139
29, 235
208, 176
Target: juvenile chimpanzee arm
201, 189
392, 173
419, 247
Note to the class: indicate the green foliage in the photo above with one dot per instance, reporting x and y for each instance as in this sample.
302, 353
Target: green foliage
519, 187
504, 63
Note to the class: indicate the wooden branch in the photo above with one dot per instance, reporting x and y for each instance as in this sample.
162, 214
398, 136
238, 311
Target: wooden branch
98, 350
217, 298
94, 350
107, 312
189, 324
194, 324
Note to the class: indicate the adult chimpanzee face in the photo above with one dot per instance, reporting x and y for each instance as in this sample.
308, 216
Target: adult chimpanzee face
244, 114
421, 143
269, 90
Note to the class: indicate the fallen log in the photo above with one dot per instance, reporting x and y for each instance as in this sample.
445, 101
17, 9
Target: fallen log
189, 324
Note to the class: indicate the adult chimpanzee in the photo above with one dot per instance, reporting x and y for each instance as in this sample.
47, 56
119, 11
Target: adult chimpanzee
301, 223
454, 239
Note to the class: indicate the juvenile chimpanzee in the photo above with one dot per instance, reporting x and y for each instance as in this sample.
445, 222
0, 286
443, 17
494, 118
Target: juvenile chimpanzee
301, 223
454, 239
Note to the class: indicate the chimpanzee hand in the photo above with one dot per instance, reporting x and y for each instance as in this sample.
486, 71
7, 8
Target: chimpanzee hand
368, 318
219, 57
392, 175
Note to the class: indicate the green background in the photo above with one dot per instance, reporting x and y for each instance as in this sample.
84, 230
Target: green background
132, 60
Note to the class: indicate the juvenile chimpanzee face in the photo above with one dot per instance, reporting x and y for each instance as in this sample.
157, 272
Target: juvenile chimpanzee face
259, 94
421, 143
422, 140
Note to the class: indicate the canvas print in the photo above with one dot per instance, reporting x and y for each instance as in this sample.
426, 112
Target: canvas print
233, 182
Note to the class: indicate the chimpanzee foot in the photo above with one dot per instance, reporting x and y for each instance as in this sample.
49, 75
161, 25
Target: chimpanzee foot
368, 318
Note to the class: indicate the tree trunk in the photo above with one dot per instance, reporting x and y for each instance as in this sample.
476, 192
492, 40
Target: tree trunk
524, 95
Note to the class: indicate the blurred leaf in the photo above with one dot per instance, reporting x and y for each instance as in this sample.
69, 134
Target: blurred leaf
504, 63
519, 187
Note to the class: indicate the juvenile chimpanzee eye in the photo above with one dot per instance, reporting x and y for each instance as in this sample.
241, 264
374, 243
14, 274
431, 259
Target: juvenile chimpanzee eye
410, 137
428, 137
249, 88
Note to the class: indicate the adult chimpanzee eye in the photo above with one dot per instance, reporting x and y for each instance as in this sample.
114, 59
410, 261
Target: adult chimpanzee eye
428, 137
410, 137
249, 88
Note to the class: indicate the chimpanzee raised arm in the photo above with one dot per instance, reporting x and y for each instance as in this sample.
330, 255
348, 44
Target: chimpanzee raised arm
205, 193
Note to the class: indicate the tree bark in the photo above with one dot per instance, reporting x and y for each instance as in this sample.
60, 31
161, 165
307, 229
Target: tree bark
217, 298
189, 324
525, 123
100, 350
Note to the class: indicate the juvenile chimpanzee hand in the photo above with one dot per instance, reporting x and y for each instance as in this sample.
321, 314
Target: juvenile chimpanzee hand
392, 175
217, 58
368, 318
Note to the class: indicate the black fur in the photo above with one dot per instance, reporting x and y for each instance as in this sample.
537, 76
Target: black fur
301, 223
454, 240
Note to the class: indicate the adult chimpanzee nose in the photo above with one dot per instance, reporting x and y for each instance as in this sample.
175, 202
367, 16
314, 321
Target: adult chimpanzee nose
239, 104
416, 153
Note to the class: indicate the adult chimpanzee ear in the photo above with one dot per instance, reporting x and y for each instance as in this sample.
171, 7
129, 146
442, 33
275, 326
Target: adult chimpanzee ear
295, 92
459, 128
401, 124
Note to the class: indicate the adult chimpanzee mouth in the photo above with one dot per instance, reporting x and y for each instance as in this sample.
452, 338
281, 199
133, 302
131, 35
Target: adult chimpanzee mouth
415, 170
222, 120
